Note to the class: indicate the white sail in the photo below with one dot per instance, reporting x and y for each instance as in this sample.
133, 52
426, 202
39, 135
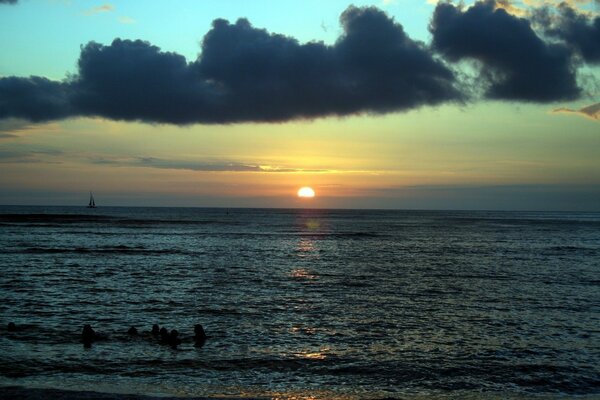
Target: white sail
92, 203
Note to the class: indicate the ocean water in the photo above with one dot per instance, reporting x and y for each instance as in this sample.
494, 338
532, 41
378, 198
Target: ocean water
318, 304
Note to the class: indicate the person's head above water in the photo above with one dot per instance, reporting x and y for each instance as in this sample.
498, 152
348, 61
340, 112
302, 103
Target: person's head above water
199, 331
88, 335
164, 334
200, 336
198, 328
174, 341
87, 328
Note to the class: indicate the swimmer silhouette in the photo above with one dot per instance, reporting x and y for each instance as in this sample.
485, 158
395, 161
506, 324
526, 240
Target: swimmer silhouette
88, 335
11, 327
174, 341
200, 336
132, 331
164, 335
155, 330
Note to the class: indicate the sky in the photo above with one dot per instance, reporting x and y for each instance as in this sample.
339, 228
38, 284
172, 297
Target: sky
395, 104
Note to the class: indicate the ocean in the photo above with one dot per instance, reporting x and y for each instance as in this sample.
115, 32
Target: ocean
301, 304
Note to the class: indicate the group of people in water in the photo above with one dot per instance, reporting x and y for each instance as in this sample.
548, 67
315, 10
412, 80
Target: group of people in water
162, 335
89, 336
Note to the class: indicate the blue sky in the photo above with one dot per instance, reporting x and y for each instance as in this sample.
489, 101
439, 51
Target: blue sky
44, 37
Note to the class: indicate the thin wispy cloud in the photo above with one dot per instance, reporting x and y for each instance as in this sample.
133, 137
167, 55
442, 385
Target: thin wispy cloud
591, 111
196, 165
19, 155
99, 10
571, 3
126, 20
512, 8
10, 125
23, 154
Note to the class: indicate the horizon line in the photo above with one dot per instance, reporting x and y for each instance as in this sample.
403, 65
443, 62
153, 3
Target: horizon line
315, 208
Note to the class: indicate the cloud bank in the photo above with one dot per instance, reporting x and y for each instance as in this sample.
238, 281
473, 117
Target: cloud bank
246, 74
243, 74
515, 63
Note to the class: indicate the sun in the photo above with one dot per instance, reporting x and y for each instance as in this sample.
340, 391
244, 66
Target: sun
306, 192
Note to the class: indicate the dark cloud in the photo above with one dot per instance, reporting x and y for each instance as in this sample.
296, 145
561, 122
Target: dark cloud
34, 98
246, 74
243, 74
578, 29
373, 67
515, 62
373, 47
133, 80
8, 1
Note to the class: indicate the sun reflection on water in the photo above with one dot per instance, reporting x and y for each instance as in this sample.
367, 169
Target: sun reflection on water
305, 245
303, 329
321, 354
303, 274
312, 395
319, 394
313, 224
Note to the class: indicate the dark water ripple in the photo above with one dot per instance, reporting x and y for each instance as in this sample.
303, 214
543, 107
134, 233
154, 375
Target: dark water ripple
322, 303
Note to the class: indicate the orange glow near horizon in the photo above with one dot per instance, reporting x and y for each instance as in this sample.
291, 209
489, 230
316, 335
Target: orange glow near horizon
306, 192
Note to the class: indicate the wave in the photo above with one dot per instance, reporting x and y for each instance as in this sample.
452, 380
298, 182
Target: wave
527, 371
569, 250
446, 376
66, 219
56, 218
36, 393
120, 249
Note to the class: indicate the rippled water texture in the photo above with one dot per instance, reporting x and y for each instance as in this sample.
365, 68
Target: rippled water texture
347, 304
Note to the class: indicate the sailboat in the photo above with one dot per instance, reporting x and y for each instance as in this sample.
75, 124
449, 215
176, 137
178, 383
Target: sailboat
92, 203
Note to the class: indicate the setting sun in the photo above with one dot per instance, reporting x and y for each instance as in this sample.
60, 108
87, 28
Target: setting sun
306, 192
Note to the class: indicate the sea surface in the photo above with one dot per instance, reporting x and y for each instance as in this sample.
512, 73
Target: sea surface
302, 304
